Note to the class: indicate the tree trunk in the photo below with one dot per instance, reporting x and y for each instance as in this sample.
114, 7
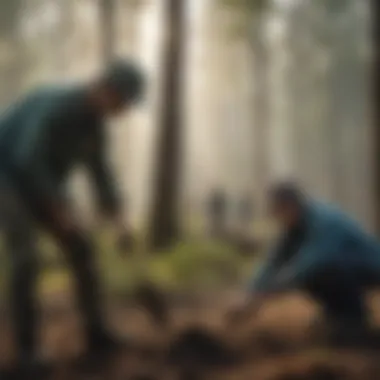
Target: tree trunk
107, 26
14, 69
164, 228
261, 123
312, 115
9, 16
376, 104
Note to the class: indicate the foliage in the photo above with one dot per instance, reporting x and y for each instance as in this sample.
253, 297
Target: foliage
195, 264
189, 266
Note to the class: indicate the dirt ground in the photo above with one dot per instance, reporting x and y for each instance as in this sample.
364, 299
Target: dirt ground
190, 340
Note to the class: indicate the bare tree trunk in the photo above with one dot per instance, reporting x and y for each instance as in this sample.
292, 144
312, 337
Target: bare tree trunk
107, 25
126, 26
164, 228
61, 37
13, 71
9, 16
376, 104
261, 117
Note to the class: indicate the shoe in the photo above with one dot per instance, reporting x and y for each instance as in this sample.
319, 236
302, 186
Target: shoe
354, 335
6, 374
106, 343
102, 347
28, 367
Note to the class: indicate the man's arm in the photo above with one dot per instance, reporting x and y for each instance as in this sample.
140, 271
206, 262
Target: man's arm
325, 245
262, 281
108, 198
257, 289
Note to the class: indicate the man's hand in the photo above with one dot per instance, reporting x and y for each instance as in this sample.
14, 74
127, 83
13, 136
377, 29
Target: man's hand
236, 316
124, 236
238, 310
62, 218
247, 307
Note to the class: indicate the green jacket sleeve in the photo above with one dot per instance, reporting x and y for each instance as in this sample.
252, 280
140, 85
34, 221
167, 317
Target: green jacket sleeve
30, 157
101, 175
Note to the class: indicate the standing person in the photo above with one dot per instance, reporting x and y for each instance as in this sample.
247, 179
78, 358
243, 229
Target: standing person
42, 138
321, 251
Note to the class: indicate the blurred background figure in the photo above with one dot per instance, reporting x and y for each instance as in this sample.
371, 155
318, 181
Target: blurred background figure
245, 240
217, 213
245, 213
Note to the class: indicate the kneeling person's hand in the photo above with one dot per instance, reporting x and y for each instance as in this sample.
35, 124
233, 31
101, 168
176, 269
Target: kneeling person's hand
245, 308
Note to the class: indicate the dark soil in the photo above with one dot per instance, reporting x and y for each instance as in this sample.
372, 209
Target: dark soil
169, 342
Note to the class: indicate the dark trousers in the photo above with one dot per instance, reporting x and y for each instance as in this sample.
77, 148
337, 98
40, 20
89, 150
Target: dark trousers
19, 225
341, 294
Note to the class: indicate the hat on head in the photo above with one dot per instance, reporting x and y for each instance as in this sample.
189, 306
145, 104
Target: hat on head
126, 79
285, 192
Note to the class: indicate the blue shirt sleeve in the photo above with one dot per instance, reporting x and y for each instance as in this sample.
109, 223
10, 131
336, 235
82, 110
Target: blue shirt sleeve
262, 279
325, 246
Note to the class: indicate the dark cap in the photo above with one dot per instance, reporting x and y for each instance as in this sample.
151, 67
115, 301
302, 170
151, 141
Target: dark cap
126, 79
287, 192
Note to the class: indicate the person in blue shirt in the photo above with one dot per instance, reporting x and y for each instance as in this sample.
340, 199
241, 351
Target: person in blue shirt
321, 251
43, 137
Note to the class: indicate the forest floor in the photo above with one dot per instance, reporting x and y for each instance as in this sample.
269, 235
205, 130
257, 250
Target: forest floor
185, 336
190, 340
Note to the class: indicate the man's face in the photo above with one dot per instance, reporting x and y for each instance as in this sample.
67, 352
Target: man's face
286, 214
112, 104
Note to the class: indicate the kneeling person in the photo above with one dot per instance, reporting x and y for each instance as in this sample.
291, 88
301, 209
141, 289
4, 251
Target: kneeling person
321, 251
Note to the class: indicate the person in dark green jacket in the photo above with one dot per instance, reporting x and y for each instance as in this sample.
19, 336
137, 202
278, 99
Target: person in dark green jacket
42, 138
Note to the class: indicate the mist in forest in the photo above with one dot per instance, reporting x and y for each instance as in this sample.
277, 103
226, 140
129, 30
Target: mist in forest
241, 94
269, 89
